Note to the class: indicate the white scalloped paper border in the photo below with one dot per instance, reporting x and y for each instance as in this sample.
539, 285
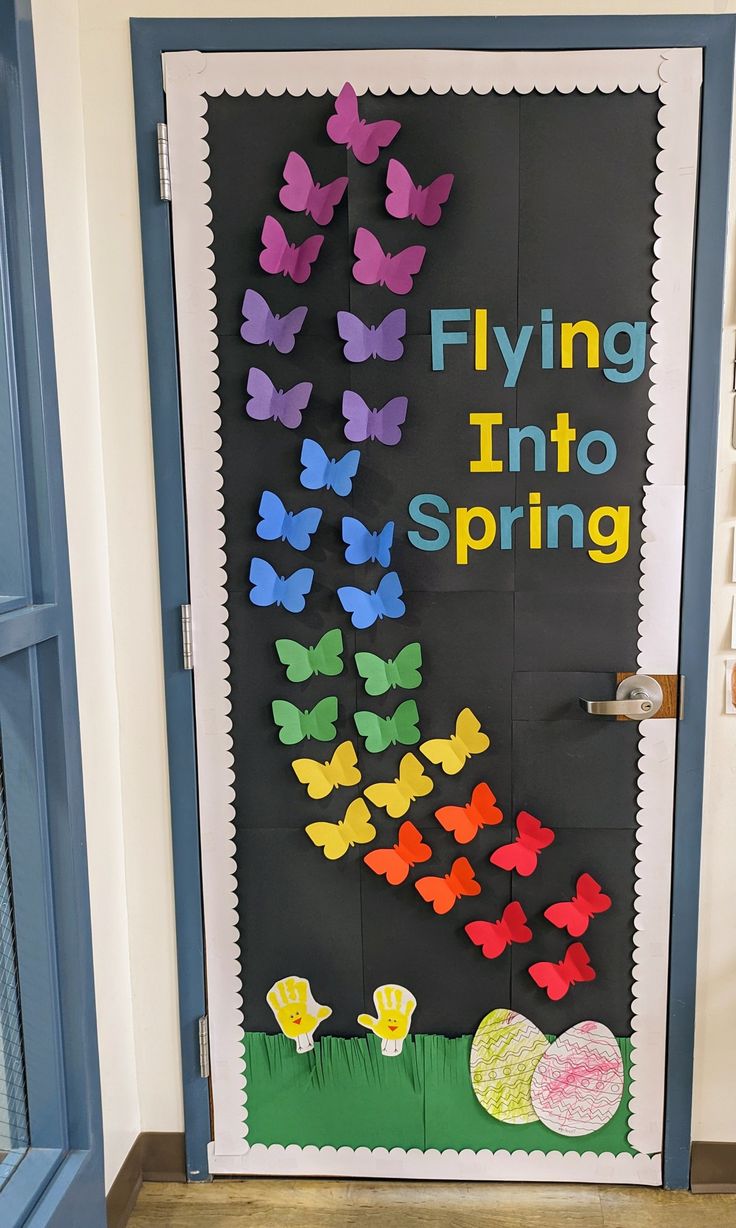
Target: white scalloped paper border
189, 78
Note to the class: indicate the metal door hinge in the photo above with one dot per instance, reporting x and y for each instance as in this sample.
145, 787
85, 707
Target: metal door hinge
187, 655
204, 1048
164, 168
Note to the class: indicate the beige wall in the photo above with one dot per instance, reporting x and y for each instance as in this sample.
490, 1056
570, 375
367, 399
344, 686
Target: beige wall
94, 246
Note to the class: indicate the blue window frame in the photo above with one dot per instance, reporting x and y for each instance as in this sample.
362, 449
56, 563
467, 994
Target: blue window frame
52, 1084
716, 34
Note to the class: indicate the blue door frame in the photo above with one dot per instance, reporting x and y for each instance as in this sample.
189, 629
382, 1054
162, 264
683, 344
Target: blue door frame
716, 35
59, 1181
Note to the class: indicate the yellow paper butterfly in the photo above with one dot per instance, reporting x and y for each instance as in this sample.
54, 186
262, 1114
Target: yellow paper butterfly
453, 753
395, 797
322, 778
336, 838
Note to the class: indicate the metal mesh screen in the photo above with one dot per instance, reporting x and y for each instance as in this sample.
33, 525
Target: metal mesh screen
14, 1132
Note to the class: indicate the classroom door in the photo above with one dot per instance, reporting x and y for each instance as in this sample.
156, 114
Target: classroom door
434, 321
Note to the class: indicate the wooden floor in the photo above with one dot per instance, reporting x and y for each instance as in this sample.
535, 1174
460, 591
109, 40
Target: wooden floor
261, 1203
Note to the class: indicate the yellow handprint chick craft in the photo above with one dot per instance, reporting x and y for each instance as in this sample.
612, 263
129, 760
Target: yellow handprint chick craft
297, 1013
394, 1007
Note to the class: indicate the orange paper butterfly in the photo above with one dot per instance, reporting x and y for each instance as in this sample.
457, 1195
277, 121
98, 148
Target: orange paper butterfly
443, 893
396, 862
466, 821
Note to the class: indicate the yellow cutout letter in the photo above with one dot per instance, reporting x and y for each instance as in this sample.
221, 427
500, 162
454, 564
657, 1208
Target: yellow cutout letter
486, 462
568, 332
563, 435
618, 538
481, 339
464, 541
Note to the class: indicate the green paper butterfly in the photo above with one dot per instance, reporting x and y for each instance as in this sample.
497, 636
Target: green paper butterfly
295, 725
381, 676
383, 731
302, 663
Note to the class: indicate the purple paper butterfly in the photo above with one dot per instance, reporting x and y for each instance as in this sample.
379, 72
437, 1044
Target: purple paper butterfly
267, 401
262, 327
382, 340
384, 425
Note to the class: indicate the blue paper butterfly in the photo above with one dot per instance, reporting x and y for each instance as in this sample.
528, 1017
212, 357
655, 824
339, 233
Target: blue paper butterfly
277, 524
269, 588
321, 473
364, 546
365, 608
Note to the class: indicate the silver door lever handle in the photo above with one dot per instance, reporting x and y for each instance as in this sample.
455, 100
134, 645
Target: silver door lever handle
637, 698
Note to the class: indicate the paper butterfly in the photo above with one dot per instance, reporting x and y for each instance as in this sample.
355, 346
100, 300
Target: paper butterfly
444, 893
303, 663
322, 778
405, 199
453, 752
466, 821
262, 327
383, 425
395, 863
319, 472
522, 853
295, 725
294, 260
575, 916
364, 546
269, 588
268, 401
558, 978
276, 524
346, 127
382, 602
395, 797
381, 732
301, 194
374, 267
381, 676
493, 937
336, 838
384, 340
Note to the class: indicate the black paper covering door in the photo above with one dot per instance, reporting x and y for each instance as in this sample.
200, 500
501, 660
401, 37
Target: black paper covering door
552, 210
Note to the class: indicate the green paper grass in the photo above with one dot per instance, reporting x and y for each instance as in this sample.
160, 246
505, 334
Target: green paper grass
344, 1093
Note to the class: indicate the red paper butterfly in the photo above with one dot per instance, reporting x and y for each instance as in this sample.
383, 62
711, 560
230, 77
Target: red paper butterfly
466, 821
396, 862
557, 978
521, 855
574, 916
493, 937
443, 893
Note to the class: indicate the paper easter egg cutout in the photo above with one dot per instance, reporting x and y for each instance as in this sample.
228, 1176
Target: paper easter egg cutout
505, 1052
578, 1084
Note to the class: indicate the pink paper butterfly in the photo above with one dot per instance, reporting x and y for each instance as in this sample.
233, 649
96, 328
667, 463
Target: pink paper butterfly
406, 199
294, 260
346, 127
301, 194
374, 267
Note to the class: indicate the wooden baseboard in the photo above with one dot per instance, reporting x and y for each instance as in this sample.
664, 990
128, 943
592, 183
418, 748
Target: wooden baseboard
154, 1156
713, 1168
